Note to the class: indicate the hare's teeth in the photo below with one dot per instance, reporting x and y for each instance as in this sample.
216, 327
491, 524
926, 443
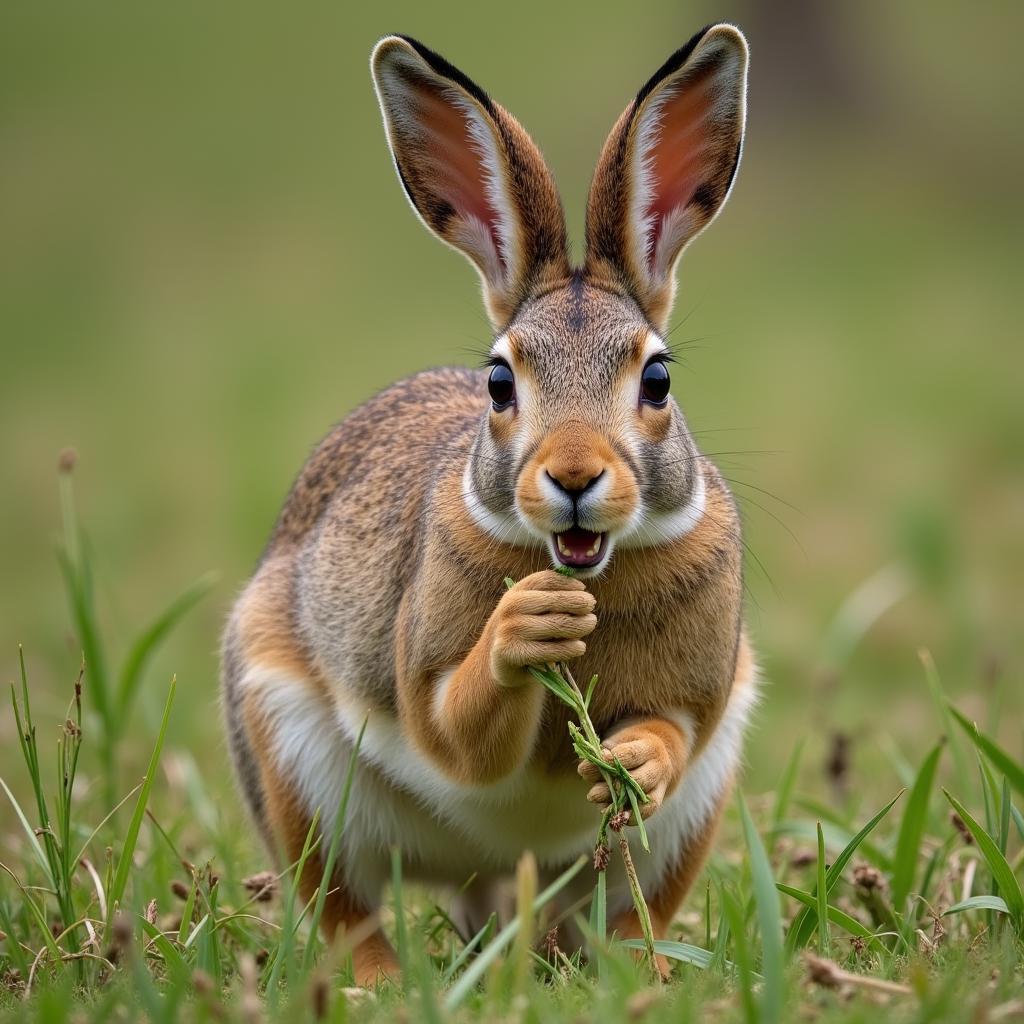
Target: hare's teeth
562, 546
592, 550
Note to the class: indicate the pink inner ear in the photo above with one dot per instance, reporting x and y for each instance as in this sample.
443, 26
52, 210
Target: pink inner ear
678, 155
458, 172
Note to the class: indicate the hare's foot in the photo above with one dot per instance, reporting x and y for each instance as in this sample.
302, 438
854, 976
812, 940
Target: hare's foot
374, 962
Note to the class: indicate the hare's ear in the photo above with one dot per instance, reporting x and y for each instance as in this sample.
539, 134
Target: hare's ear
472, 173
667, 167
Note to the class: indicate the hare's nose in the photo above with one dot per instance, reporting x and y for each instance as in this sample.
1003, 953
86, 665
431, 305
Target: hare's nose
574, 483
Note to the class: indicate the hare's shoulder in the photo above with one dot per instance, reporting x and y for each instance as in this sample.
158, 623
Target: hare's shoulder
410, 427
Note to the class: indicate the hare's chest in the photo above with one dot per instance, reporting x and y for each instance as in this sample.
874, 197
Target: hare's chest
447, 826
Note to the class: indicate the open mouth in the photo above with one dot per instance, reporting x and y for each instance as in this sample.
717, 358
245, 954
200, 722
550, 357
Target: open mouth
580, 548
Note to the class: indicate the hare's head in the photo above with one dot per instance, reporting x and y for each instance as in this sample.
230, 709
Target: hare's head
582, 447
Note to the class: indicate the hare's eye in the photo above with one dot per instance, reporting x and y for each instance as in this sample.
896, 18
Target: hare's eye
654, 383
501, 386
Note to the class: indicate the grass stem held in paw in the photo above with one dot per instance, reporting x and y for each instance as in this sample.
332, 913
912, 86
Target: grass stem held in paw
626, 793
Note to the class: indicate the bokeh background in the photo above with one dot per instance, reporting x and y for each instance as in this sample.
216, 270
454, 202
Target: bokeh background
206, 260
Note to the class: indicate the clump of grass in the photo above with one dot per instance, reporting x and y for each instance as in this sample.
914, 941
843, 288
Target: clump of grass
112, 694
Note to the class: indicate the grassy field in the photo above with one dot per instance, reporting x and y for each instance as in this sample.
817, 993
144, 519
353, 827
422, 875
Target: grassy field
124, 905
207, 260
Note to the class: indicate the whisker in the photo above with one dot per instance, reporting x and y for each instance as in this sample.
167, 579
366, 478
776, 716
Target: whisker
782, 501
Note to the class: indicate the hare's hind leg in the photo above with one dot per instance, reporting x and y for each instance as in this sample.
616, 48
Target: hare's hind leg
291, 758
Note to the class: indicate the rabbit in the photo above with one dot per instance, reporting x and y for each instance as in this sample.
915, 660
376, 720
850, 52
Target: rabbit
378, 624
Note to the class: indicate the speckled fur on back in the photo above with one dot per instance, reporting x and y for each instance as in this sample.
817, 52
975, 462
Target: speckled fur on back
379, 608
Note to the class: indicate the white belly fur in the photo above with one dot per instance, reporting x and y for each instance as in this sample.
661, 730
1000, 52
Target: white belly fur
447, 831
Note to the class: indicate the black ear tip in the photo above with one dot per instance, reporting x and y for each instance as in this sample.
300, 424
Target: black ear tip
421, 48
446, 69
683, 54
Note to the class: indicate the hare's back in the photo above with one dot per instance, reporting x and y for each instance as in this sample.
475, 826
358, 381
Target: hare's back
375, 467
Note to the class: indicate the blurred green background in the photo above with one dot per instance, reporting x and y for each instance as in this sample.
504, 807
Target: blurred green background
206, 260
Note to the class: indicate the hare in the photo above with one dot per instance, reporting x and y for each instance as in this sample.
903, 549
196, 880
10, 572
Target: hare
380, 598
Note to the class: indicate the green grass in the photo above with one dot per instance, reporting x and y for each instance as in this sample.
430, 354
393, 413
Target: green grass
209, 260
103, 914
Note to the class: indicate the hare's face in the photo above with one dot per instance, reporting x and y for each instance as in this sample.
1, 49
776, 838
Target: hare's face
583, 447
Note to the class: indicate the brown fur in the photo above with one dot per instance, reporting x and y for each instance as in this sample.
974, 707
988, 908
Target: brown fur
379, 588
373, 958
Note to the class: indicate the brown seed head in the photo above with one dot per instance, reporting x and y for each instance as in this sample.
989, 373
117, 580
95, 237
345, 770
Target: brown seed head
961, 827
868, 879
66, 460
602, 857
262, 885
618, 821
803, 856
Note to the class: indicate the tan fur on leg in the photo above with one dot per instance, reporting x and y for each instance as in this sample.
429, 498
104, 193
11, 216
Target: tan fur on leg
373, 958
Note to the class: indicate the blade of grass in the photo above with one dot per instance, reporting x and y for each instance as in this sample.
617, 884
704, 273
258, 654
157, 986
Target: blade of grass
15, 954
821, 902
332, 851
734, 913
766, 900
1002, 873
1004, 817
802, 927
721, 945
638, 819
840, 827
599, 908
784, 793
681, 951
282, 955
1004, 763
835, 915
401, 935
989, 792
931, 675
526, 894
499, 943
37, 915
124, 865
150, 638
30, 754
29, 834
996, 903
78, 584
173, 960
467, 950
188, 911
912, 825
196, 932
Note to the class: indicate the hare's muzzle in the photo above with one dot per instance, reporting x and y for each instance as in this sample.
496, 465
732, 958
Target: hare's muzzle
580, 548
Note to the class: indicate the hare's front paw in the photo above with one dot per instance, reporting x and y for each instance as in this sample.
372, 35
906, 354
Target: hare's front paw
542, 619
645, 756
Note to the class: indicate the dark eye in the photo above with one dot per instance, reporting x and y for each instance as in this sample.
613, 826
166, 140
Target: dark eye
654, 383
501, 386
